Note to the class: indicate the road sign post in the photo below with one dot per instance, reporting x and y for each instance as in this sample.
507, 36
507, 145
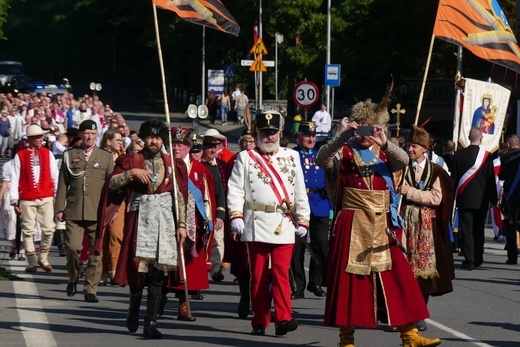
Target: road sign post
305, 94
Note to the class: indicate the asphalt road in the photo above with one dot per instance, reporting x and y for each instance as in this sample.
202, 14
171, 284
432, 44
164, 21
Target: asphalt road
482, 311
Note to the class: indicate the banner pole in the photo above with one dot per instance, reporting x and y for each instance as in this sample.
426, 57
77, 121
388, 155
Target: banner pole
419, 103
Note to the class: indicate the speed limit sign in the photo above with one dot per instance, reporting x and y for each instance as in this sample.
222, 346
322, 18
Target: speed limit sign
305, 94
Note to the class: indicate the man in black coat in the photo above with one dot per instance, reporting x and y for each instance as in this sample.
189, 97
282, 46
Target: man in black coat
509, 170
475, 189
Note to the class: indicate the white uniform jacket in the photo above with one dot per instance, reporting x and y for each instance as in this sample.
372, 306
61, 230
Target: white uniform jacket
251, 196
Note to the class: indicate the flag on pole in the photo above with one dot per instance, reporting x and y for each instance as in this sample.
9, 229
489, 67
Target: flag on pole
210, 13
481, 27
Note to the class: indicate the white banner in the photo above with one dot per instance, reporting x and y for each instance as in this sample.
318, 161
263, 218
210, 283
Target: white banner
485, 106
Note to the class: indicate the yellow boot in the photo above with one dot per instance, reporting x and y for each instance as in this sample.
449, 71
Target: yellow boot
346, 337
411, 338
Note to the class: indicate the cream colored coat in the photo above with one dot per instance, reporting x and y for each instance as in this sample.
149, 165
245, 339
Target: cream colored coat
248, 184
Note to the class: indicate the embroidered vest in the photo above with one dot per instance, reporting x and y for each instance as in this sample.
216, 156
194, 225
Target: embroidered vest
28, 187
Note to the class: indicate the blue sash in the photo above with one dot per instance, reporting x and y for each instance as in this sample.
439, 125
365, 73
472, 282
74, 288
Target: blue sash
380, 167
199, 201
515, 183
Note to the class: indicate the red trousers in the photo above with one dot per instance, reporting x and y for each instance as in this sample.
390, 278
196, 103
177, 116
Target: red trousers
270, 283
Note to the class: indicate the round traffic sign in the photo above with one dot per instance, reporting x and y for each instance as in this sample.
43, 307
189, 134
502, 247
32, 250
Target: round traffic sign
305, 94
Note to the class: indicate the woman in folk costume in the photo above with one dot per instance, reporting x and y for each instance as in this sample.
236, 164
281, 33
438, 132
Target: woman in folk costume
366, 269
427, 192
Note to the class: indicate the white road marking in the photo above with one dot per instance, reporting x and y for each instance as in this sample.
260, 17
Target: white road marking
458, 334
33, 321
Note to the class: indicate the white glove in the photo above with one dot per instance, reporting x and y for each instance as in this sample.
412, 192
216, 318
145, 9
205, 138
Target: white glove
301, 231
237, 225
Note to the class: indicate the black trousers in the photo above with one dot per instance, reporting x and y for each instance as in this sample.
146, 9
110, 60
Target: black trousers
319, 232
510, 226
471, 230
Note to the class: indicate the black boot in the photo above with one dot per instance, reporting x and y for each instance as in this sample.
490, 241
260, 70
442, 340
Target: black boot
60, 240
150, 323
132, 319
243, 305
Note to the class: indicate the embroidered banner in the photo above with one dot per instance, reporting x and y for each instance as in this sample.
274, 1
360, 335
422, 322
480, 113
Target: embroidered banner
485, 106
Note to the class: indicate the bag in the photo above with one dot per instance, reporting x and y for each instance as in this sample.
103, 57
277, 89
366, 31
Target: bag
242, 102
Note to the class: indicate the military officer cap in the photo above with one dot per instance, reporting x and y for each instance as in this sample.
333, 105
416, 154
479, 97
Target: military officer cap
154, 127
197, 143
269, 122
182, 135
308, 128
88, 124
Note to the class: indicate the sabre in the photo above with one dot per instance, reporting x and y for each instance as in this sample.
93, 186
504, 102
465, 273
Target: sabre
398, 243
293, 217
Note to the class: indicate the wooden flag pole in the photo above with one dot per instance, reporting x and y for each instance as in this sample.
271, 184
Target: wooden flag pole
419, 103
172, 159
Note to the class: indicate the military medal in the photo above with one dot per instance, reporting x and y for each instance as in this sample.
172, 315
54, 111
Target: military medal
96, 164
154, 178
307, 165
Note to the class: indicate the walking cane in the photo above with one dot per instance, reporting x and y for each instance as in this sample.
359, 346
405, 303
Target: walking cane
172, 159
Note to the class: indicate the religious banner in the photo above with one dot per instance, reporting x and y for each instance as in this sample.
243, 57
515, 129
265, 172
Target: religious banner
485, 106
481, 27
210, 13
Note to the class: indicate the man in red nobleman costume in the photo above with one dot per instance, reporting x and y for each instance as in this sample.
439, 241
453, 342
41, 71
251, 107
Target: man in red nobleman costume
149, 249
34, 180
200, 218
268, 205
366, 269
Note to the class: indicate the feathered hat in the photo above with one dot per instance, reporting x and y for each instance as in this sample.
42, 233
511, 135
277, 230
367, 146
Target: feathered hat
369, 113
182, 135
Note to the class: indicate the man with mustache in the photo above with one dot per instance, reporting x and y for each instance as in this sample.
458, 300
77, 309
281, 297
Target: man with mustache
153, 229
366, 269
268, 208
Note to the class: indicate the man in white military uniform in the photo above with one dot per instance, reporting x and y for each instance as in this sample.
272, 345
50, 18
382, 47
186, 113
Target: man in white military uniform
268, 205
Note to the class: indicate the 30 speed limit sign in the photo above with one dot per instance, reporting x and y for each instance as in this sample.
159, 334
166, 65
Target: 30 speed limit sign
305, 94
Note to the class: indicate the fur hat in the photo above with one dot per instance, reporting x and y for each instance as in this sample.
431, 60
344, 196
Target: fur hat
369, 113
419, 136
154, 127
183, 135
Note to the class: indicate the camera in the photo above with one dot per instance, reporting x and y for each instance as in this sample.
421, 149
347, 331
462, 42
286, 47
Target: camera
365, 130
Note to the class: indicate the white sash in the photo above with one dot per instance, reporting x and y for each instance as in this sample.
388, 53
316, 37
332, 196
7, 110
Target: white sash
468, 176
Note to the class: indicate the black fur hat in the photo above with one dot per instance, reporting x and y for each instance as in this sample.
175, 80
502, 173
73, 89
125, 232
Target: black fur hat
154, 127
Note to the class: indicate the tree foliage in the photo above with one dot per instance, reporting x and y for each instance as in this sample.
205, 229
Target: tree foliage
114, 42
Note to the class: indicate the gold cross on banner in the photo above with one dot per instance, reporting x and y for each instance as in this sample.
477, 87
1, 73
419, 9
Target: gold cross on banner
399, 111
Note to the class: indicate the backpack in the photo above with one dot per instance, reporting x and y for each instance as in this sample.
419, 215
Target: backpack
242, 102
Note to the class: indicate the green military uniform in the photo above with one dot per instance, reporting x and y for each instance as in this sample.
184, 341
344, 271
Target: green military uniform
79, 190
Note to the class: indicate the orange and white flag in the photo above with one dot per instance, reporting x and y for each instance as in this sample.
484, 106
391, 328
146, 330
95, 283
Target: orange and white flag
210, 13
481, 27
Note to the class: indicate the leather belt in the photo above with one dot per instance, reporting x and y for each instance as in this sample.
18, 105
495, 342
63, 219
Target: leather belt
267, 208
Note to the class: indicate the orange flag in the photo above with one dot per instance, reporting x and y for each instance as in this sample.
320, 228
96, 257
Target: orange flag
481, 27
210, 13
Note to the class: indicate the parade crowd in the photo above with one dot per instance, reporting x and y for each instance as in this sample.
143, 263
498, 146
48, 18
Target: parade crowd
168, 209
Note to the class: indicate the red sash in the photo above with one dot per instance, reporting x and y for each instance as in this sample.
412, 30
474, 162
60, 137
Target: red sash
472, 171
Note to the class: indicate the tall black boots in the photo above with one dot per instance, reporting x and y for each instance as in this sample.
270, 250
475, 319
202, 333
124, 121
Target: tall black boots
243, 304
132, 319
150, 323
61, 238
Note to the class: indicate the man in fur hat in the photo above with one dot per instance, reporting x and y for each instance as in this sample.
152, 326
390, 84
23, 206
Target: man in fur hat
151, 235
427, 205
268, 208
366, 269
